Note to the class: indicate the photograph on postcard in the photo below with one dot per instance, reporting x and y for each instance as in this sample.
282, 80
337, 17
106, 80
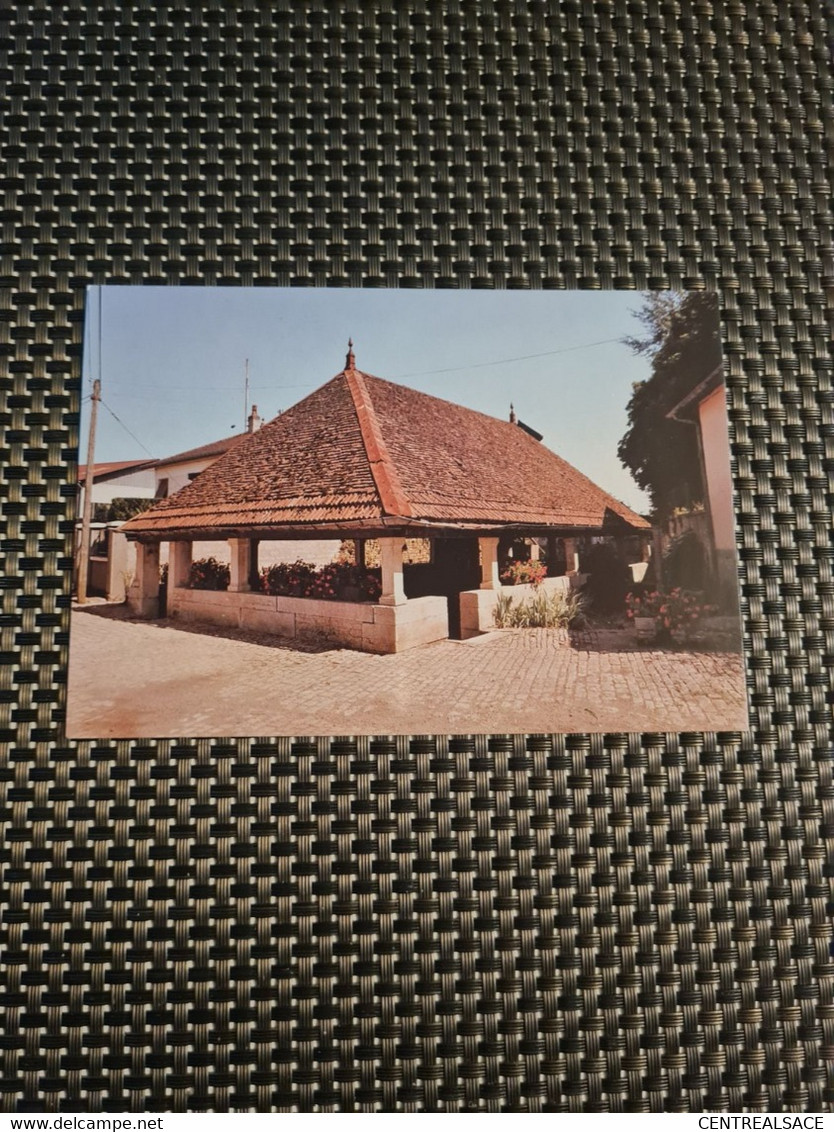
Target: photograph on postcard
318, 512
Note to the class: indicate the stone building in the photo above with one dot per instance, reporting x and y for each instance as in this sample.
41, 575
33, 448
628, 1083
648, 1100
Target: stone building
362, 458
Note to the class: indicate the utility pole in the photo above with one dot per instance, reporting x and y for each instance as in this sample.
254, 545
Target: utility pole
87, 514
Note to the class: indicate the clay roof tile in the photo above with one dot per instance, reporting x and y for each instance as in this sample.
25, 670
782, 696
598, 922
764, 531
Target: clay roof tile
360, 449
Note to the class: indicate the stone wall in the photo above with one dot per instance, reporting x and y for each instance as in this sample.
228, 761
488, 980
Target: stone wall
357, 625
477, 606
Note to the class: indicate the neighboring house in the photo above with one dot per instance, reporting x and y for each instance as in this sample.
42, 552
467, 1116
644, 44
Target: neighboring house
129, 479
705, 407
177, 471
359, 459
111, 559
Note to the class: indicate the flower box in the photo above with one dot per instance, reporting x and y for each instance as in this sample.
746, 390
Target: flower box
645, 628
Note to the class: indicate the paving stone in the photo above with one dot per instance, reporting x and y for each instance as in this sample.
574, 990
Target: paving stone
131, 678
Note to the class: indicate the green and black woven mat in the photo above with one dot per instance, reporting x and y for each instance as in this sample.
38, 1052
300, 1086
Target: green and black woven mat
623, 923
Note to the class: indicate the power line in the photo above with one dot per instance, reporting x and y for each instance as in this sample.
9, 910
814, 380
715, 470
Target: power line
192, 389
127, 430
269, 388
506, 361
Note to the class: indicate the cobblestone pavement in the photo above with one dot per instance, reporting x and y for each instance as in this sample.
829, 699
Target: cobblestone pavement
138, 679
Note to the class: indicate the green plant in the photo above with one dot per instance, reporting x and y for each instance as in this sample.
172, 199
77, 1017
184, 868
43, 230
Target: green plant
682, 342
558, 610
609, 577
208, 574
120, 509
685, 562
501, 613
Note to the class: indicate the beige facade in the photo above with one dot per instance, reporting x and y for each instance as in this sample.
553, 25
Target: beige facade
713, 424
712, 415
359, 625
477, 607
392, 625
362, 458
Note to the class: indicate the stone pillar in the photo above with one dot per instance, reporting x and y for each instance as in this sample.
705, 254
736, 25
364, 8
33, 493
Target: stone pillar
489, 564
179, 564
120, 564
534, 550
571, 557
391, 561
144, 593
240, 553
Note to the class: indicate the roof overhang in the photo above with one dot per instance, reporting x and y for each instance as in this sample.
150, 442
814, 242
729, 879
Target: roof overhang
116, 471
381, 528
686, 410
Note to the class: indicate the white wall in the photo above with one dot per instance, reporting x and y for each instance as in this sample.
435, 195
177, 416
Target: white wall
178, 475
133, 485
716, 444
478, 606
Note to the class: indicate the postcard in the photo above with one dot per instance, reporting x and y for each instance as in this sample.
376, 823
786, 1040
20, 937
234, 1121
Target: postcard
319, 512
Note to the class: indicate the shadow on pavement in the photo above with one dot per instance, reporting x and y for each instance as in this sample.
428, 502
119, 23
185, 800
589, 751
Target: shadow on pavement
111, 611
624, 640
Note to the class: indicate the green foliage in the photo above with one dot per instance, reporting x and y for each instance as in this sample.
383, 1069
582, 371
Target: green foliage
208, 574
542, 610
683, 344
685, 562
120, 509
609, 577
501, 613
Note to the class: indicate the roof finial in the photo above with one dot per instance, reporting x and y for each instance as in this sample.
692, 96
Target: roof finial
512, 414
350, 360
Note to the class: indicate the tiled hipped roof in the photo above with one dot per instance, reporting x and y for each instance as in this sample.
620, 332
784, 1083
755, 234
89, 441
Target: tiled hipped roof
360, 450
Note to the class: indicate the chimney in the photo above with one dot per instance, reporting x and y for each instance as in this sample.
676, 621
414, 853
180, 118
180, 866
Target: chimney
254, 422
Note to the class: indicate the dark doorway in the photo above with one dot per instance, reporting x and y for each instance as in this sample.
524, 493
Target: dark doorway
458, 568
455, 566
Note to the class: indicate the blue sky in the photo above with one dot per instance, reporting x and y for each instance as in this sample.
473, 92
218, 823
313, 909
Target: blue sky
172, 361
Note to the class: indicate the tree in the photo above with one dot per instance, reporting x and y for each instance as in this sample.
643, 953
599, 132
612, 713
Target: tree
120, 509
683, 344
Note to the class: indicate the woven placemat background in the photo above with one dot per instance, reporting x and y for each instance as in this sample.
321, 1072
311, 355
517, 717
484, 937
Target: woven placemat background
623, 923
